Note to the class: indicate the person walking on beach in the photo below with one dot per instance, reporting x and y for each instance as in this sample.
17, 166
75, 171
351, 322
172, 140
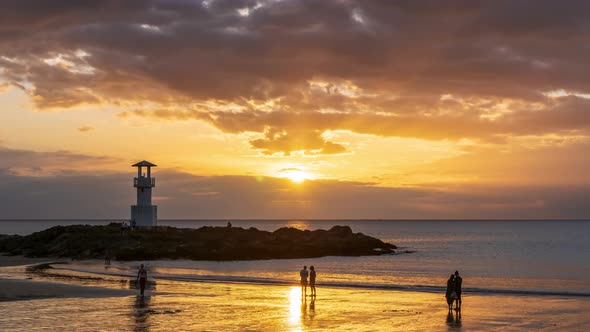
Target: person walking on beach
303, 274
450, 289
457, 289
142, 278
107, 257
312, 275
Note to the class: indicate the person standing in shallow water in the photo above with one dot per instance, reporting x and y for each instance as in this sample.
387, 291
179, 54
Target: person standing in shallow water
312, 276
450, 289
457, 289
142, 278
303, 274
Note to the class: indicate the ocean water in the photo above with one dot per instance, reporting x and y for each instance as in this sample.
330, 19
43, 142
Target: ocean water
517, 276
544, 258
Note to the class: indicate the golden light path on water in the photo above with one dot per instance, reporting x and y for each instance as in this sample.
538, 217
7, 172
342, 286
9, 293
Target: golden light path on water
299, 224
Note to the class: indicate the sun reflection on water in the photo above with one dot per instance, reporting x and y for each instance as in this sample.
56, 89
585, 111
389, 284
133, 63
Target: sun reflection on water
299, 224
296, 303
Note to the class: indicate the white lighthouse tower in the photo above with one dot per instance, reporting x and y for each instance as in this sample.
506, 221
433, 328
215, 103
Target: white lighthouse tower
144, 213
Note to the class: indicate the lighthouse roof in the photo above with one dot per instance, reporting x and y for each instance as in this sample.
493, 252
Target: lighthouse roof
144, 163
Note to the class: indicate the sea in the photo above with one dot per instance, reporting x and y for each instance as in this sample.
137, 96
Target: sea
515, 257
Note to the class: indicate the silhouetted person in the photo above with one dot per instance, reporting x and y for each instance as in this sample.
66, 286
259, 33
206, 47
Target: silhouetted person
458, 284
228, 225
303, 274
107, 257
312, 275
450, 289
142, 278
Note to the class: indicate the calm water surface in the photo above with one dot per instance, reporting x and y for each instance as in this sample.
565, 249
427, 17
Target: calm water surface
517, 257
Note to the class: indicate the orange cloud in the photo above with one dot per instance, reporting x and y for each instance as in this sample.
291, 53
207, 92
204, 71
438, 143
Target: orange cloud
432, 71
85, 129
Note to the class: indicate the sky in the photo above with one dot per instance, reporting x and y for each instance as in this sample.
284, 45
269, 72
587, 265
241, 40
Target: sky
299, 109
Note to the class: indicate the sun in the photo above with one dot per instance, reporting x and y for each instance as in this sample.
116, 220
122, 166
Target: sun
295, 175
298, 177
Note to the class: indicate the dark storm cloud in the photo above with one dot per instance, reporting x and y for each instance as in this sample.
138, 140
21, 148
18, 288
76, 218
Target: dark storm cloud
400, 56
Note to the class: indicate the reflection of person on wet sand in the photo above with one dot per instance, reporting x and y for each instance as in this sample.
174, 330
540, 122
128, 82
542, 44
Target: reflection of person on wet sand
312, 276
450, 318
454, 319
303, 274
142, 313
141, 302
142, 278
303, 306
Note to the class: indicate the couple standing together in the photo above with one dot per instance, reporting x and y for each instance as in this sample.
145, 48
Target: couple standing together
304, 273
454, 291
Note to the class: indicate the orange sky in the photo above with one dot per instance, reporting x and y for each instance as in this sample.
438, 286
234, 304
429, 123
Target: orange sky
453, 110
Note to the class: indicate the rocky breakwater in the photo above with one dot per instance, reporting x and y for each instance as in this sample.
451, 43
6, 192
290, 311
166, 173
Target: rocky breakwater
205, 243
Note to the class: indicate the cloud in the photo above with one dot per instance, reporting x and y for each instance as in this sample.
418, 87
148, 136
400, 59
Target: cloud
85, 129
35, 163
286, 130
429, 70
310, 141
182, 195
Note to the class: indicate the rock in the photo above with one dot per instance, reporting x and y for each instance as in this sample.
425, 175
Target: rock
205, 243
341, 230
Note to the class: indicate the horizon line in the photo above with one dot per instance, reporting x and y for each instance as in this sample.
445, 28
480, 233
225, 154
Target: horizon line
289, 219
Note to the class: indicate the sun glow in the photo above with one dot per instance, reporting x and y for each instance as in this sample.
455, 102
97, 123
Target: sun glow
295, 175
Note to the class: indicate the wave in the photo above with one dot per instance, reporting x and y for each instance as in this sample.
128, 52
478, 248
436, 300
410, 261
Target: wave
332, 284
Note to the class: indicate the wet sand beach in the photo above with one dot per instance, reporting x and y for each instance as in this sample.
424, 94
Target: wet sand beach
218, 306
14, 289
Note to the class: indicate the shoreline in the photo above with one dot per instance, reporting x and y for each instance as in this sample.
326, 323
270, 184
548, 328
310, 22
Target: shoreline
86, 270
20, 260
173, 304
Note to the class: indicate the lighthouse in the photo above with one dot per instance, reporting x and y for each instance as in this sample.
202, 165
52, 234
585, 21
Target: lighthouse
144, 214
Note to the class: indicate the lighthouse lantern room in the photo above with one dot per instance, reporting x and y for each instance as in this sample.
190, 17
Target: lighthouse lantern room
144, 214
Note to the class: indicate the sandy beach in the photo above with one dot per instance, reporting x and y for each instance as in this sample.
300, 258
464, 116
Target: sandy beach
27, 288
41, 304
14, 289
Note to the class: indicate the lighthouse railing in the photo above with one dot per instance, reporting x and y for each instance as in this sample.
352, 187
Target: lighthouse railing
144, 182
